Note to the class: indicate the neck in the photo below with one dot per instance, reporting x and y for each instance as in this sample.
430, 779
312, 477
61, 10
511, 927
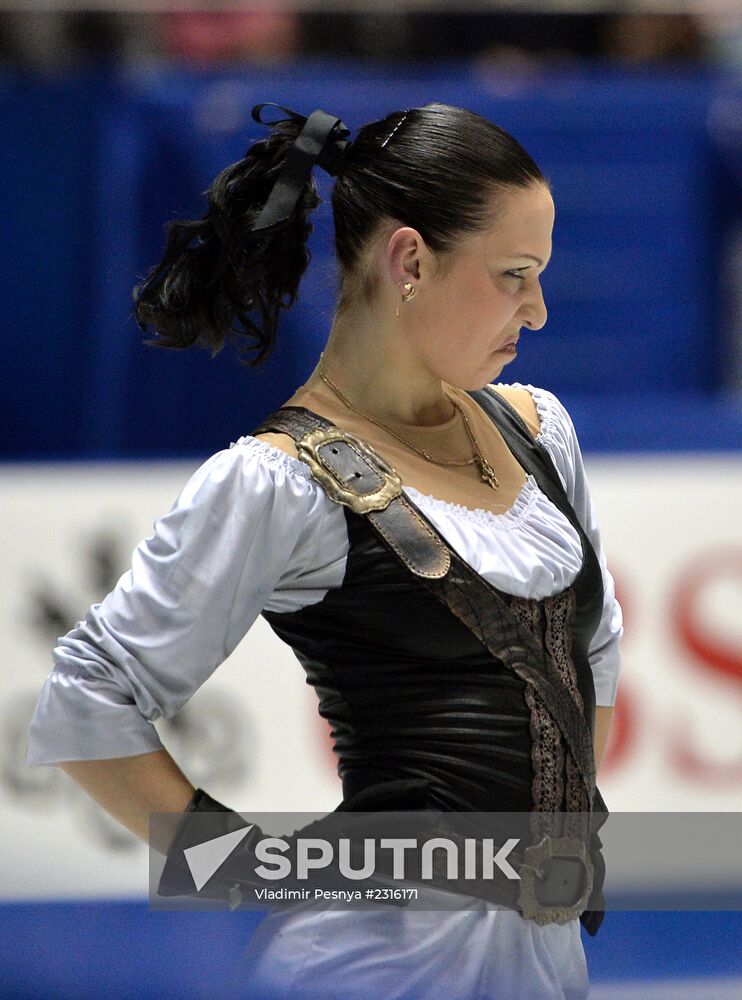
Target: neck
376, 373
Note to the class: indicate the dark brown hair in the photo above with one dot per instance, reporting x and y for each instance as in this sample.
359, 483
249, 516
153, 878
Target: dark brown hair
434, 168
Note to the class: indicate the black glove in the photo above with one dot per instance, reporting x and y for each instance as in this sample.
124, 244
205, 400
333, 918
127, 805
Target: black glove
176, 878
237, 872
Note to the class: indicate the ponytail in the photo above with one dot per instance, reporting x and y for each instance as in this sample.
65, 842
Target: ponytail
217, 269
439, 169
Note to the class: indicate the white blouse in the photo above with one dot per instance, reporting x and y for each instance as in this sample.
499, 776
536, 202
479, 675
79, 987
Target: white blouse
252, 530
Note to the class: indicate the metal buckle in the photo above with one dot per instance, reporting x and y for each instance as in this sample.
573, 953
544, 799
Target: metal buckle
308, 449
531, 870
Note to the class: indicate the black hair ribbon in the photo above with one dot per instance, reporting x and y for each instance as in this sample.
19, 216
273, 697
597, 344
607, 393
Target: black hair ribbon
323, 140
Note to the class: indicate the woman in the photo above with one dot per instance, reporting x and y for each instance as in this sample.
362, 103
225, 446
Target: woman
443, 226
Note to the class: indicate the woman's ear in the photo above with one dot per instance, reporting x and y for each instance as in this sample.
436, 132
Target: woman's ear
403, 254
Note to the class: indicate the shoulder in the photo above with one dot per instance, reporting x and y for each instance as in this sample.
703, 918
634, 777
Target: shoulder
556, 431
284, 442
523, 402
250, 475
540, 408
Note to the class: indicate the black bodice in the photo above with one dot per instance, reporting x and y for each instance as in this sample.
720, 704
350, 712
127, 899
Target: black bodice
407, 688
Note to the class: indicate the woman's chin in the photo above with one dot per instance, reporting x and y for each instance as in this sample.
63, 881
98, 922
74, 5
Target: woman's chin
496, 369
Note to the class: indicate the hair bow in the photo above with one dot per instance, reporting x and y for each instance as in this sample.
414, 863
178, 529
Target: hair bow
323, 139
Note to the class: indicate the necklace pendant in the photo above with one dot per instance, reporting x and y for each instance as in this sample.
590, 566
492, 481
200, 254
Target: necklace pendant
488, 474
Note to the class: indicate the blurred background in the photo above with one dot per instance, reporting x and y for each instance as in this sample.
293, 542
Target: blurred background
116, 115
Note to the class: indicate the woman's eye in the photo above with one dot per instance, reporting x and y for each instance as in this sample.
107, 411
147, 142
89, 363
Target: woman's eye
516, 273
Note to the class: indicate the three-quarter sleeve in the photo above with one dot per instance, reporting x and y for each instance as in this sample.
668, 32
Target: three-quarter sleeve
558, 435
239, 529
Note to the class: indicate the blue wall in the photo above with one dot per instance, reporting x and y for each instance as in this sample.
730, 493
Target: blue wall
645, 188
121, 949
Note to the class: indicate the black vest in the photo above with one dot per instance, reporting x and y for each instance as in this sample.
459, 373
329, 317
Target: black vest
411, 693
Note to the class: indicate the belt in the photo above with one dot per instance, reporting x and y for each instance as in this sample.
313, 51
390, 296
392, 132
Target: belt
552, 882
554, 885
552, 879
557, 874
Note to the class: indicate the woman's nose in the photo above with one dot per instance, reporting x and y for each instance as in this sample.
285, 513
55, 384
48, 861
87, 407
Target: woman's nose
534, 311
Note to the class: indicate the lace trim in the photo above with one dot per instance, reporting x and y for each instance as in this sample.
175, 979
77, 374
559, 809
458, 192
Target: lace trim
547, 756
518, 512
547, 747
557, 782
544, 401
274, 457
560, 610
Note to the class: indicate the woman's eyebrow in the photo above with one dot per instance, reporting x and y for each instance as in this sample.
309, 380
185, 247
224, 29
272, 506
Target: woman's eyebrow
529, 256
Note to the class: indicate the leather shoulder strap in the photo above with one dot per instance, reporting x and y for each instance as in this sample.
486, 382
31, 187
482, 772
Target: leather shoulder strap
531, 455
295, 421
353, 474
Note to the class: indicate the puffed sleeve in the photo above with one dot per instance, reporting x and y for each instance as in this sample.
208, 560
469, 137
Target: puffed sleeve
558, 435
238, 530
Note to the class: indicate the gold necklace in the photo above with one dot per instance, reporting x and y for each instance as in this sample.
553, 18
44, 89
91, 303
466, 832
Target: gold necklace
486, 470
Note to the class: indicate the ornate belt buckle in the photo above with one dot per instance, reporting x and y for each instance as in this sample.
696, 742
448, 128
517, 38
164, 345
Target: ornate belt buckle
310, 449
535, 858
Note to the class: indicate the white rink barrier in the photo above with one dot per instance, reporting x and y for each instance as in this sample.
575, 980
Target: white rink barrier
252, 736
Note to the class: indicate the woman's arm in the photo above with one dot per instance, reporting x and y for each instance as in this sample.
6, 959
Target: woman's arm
130, 788
238, 530
603, 714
